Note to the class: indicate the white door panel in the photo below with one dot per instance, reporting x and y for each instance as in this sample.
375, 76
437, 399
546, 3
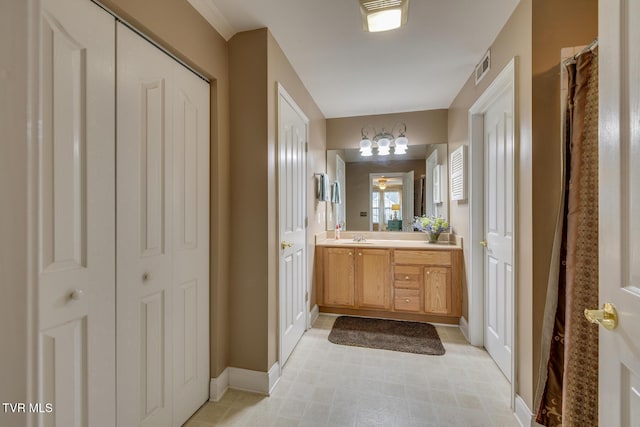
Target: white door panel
163, 229
191, 243
144, 215
619, 208
498, 145
77, 223
292, 138
407, 201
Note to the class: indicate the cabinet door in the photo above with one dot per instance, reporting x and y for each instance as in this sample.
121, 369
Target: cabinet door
339, 277
373, 278
437, 290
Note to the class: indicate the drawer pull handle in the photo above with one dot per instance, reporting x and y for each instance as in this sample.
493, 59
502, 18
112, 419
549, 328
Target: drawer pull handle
406, 300
359, 253
350, 254
406, 277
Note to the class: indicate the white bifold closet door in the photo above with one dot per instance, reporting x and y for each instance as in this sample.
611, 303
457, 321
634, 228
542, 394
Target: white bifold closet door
162, 236
76, 206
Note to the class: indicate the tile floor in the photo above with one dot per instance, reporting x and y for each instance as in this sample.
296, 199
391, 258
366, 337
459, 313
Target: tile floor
325, 384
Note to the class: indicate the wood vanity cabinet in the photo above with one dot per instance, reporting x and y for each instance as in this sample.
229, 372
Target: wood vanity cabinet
408, 284
339, 274
355, 278
373, 277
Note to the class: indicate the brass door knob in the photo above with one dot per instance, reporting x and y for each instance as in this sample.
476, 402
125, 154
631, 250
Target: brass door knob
607, 316
484, 243
284, 245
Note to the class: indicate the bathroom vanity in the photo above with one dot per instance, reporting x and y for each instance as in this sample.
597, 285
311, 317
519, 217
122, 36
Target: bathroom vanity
394, 279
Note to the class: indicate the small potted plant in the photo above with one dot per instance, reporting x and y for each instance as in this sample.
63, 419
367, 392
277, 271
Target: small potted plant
431, 225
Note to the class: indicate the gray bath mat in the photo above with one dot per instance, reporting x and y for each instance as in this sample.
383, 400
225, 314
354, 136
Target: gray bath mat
409, 337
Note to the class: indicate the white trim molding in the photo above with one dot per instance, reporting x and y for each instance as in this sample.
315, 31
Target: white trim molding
313, 315
464, 327
219, 386
246, 380
214, 17
523, 414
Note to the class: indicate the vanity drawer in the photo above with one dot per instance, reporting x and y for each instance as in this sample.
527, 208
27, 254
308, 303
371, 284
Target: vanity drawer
406, 300
422, 257
406, 276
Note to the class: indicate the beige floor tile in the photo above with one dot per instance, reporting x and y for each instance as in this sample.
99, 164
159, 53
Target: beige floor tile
325, 384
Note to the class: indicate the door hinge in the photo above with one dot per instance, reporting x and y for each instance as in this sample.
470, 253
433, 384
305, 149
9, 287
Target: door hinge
306, 296
306, 221
306, 147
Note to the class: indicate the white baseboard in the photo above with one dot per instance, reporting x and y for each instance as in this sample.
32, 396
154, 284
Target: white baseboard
523, 414
313, 315
274, 376
219, 386
464, 328
253, 381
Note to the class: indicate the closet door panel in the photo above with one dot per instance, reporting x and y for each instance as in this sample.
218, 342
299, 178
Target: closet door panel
163, 236
191, 243
76, 229
144, 218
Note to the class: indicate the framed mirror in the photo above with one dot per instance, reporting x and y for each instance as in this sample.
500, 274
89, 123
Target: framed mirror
385, 193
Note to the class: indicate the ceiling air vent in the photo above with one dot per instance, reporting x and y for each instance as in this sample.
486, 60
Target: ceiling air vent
458, 178
483, 67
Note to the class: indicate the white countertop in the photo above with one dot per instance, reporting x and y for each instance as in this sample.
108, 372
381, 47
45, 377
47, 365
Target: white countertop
395, 241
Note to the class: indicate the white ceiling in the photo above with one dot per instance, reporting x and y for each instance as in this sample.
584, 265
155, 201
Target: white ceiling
350, 72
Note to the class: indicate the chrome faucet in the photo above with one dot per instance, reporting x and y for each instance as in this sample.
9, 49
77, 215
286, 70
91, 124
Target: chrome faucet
359, 238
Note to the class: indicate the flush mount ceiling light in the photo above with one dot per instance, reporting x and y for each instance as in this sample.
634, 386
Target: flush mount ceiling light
383, 141
383, 15
382, 183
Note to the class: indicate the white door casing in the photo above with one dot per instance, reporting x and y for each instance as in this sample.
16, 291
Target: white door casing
430, 164
292, 274
498, 217
341, 209
162, 234
407, 201
76, 260
619, 209
505, 81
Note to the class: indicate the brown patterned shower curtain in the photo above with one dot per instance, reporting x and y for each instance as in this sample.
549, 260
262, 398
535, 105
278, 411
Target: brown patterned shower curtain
570, 394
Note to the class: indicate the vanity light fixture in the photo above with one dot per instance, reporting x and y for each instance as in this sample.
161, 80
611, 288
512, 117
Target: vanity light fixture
383, 15
383, 141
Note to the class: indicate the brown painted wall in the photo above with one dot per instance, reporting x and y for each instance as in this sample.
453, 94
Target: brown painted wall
423, 127
514, 40
179, 28
281, 71
551, 32
257, 64
14, 212
249, 201
535, 33
357, 191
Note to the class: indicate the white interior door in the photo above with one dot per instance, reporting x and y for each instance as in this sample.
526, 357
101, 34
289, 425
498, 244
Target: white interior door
341, 209
431, 163
619, 209
499, 209
292, 138
190, 146
162, 234
407, 201
76, 214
